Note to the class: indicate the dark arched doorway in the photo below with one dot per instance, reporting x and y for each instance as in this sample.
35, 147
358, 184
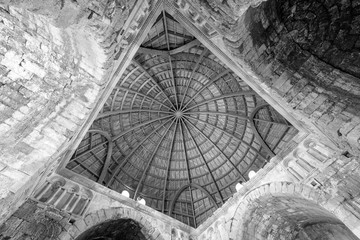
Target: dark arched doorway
121, 229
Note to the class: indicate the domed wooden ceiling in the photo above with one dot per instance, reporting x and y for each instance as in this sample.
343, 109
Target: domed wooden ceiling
180, 129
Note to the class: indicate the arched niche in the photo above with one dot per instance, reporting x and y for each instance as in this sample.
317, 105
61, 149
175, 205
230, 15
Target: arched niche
64, 195
49, 189
284, 210
107, 220
310, 157
290, 217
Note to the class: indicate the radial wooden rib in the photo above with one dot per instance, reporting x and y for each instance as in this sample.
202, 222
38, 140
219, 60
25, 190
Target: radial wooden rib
188, 170
192, 74
220, 151
119, 112
171, 65
214, 79
206, 164
118, 167
144, 95
231, 135
153, 80
168, 164
151, 158
138, 126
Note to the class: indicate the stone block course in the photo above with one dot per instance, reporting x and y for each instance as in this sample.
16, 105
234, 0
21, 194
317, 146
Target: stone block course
65, 236
33, 68
80, 224
89, 220
102, 216
10, 227
36, 66
73, 232
309, 95
6, 183
14, 174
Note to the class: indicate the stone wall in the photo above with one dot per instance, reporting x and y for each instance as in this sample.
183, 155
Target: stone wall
32, 221
283, 217
48, 215
325, 231
37, 221
273, 210
280, 205
298, 51
51, 78
48, 87
279, 210
55, 62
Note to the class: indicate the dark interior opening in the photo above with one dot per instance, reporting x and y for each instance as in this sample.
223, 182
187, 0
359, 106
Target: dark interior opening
122, 229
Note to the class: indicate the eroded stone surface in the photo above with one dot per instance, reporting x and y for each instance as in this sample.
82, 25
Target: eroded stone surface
297, 50
48, 87
306, 52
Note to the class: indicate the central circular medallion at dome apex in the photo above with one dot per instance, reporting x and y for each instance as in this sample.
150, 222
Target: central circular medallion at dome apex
178, 114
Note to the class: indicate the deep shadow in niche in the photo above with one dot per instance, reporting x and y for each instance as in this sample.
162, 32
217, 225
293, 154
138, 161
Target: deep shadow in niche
285, 216
121, 229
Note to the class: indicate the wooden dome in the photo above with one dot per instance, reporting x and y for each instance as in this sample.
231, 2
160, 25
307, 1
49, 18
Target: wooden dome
180, 129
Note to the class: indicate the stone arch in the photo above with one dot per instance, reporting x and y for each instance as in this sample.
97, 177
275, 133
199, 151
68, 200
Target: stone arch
329, 208
148, 228
297, 49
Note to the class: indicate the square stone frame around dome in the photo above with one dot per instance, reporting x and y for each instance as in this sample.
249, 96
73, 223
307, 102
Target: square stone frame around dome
216, 45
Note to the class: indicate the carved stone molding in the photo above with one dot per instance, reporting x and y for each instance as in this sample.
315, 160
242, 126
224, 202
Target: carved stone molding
308, 158
61, 194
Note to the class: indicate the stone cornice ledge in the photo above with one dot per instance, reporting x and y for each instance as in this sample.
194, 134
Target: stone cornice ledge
102, 190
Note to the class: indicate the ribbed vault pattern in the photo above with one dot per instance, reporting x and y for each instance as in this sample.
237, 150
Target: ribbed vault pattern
180, 129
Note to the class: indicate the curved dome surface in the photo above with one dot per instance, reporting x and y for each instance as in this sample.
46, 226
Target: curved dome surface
180, 129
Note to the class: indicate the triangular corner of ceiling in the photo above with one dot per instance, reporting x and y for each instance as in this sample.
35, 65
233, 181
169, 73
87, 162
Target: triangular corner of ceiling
190, 20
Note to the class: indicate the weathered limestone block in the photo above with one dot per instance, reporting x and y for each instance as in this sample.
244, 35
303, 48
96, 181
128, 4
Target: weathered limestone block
32, 221
42, 87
